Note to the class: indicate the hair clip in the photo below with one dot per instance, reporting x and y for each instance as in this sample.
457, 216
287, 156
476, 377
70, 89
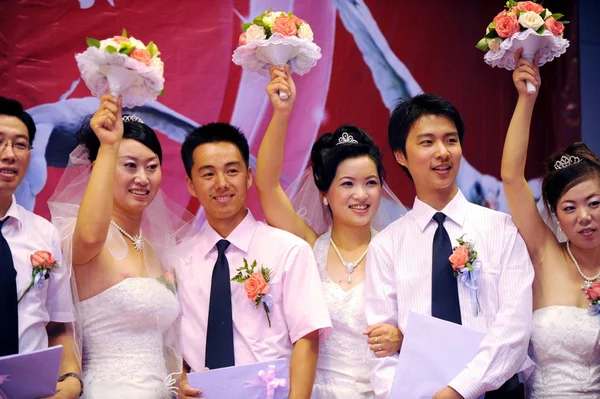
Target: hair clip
566, 161
346, 139
132, 118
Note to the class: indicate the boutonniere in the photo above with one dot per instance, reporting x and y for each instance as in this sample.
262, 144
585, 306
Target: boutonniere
169, 280
42, 264
256, 284
593, 294
466, 267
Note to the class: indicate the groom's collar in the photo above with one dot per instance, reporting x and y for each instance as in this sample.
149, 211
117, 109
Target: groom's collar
240, 237
456, 210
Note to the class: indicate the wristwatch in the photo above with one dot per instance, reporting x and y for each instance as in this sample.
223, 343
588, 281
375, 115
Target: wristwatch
74, 375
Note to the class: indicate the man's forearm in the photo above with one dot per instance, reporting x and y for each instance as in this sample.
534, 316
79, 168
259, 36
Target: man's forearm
303, 366
59, 334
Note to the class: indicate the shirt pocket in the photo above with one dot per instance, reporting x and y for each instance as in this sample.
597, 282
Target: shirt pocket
258, 323
489, 276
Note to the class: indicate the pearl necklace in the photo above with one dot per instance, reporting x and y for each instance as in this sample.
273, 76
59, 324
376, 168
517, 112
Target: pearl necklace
589, 281
138, 241
350, 266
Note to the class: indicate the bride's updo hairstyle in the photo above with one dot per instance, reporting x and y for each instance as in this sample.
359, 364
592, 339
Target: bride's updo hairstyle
331, 149
133, 129
566, 169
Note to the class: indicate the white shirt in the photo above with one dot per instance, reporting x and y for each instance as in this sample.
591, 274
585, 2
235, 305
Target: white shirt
398, 280
27, 233
299, 305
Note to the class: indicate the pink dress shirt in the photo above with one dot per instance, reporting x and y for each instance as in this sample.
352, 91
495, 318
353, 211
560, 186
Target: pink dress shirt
399, 280
299, 303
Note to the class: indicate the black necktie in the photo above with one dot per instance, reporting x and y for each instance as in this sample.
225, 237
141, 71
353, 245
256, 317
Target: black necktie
9, 314
444, 287
219, 334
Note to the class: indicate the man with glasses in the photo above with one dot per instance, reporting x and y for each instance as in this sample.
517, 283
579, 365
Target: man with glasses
31, 318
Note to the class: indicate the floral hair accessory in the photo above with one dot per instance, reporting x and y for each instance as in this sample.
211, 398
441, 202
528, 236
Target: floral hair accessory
565, 161
276, 38
256, 285
466, 267
42, 264
122, 65
527, 25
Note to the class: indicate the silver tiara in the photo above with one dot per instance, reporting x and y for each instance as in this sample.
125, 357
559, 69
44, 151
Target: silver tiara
565, 161
132, 118
346, 139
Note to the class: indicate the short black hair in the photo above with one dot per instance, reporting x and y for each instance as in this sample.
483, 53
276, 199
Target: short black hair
137, 131
407, 112
331, 149
217, 132
14, 108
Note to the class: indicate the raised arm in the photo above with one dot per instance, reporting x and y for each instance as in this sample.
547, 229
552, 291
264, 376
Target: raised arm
275, 203
518, 193
95, 211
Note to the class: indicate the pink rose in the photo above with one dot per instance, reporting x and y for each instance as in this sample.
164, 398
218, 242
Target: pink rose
256, 285
593, 292
141, 55
242, 39
459, 257
169, 277
554, 26
120, 39
528, 6
500, 15
285, 26
507, 26
298, 21
42, 258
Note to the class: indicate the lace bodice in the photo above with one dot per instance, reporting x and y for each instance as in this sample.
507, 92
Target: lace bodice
123, 331
346, 347
565, 345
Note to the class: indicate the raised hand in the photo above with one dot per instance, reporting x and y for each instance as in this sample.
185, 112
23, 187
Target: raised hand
384, 339
526, 71
107, 121
281, 80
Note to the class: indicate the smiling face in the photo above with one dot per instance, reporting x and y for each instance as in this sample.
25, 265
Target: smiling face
432, 156
578, 212
14, 157
220, 180
355, 192
137, 178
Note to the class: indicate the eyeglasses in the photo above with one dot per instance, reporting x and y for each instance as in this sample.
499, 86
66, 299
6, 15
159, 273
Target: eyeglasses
19, 146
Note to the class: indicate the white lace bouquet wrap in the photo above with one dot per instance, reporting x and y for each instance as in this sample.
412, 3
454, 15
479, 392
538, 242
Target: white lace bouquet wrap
277, 39
122, 66
527, 25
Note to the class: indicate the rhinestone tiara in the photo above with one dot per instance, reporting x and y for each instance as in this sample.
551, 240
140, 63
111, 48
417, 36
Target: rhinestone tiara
565, 161
346, 139
132, 118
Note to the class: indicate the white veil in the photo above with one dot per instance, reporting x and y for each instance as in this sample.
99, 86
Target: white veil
551, 221
306, 200
164, 225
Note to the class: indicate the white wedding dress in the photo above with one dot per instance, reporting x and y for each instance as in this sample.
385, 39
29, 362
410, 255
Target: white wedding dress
342, 371
123, 331
565, 345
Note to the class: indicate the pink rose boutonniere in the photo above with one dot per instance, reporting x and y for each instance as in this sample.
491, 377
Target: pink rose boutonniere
42, 264
256, 284
466, 267
593, 294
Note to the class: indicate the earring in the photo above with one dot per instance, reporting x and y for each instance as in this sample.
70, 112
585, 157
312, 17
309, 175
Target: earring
325, 202
559, 228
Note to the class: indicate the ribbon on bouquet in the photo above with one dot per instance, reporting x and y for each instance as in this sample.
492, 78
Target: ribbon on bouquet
470, 278
269, 380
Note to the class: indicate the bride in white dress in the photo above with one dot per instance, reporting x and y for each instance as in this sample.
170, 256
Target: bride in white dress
336, 207
565, 343
118, 231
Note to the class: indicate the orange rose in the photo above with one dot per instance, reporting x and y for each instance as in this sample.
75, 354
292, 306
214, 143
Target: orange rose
298, 21
593, 292
120, 39
141, 55
256, 285
42, 258
554, 26
285, 26
528, 6
507, 26
459, 257
500, 15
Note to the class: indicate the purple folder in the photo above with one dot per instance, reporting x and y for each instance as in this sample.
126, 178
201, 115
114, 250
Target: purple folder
251, 381
30, 375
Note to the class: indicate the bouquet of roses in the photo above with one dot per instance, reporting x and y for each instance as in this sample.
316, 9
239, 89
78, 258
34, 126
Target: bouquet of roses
527, 25
277, 38
122, 65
